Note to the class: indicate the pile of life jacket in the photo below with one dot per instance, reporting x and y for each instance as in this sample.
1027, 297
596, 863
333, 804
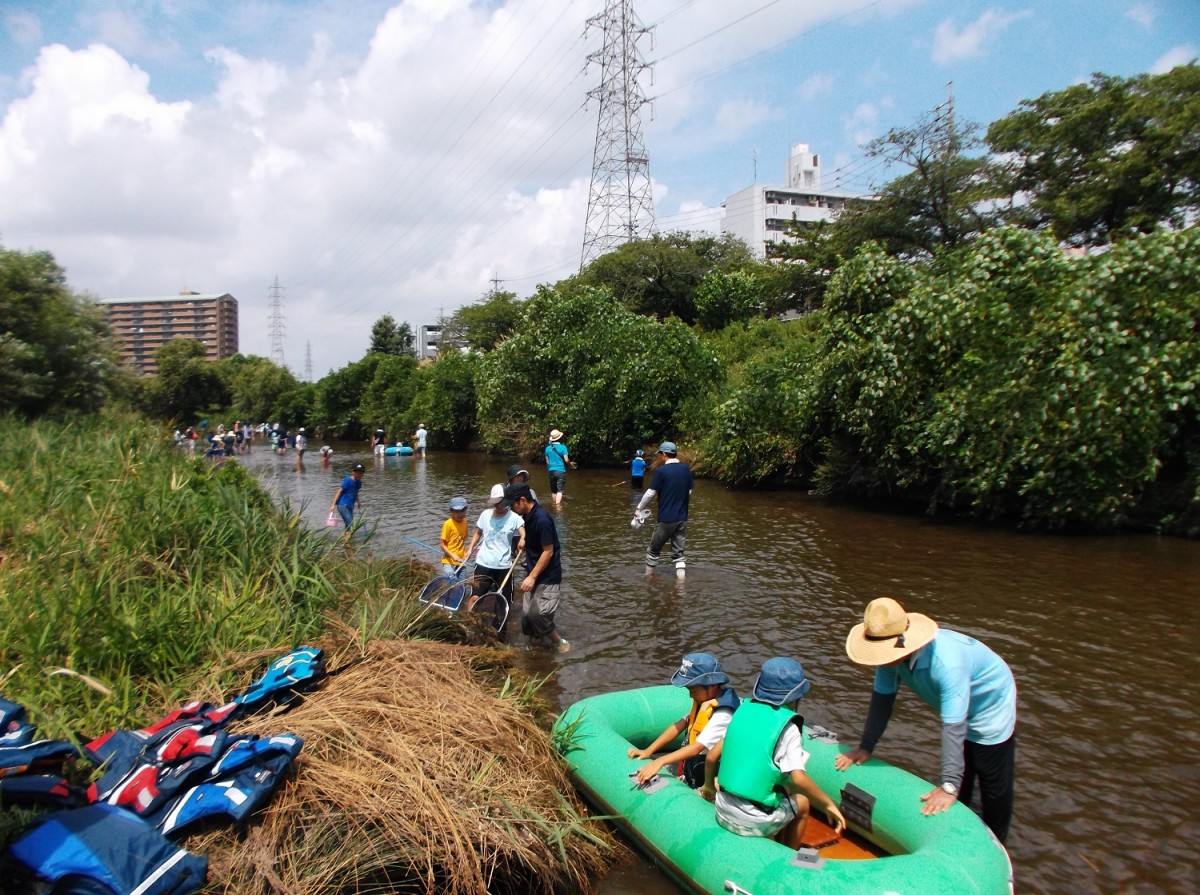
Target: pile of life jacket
158, 783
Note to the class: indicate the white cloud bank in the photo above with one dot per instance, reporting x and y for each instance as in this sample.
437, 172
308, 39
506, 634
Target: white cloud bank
952, 44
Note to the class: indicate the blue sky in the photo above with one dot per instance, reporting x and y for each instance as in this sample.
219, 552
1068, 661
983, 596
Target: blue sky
395, 157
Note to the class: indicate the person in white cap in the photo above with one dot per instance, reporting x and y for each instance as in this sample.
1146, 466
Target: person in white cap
421, 436
672, 485
493, 533
969, 685
301, 447
558, 458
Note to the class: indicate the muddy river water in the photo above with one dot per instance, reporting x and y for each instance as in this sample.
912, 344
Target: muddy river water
1102, 633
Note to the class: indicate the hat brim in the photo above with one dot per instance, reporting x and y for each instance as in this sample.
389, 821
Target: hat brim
863, 651
700, 680
780, 697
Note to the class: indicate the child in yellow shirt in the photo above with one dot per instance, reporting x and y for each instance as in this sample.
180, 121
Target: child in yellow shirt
454, 534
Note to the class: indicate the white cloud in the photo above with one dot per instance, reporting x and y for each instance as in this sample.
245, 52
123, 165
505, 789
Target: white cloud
1142, 13
24, 28
862, 125
817, 85
1177, 55
952, 43
735, 117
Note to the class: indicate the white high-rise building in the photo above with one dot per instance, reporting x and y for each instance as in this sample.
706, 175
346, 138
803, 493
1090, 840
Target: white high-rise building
760, 215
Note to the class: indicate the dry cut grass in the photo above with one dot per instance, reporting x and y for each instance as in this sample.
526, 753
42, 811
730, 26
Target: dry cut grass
414, 777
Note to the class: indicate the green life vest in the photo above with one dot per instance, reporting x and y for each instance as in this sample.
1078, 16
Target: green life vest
748, 756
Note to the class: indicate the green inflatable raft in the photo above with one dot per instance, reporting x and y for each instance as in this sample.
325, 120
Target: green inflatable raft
903, 851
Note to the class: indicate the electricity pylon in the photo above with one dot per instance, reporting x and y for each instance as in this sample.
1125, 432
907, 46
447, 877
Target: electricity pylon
620, 201
276, 324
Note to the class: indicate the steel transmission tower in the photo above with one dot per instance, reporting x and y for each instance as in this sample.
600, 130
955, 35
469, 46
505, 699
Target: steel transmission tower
620, 202
308, 361
276, 325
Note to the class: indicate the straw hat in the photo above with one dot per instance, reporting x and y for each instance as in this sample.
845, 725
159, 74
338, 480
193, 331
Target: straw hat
888, 633
555, 434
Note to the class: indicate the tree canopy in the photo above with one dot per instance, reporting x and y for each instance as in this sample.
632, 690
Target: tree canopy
55, 353
488, 322
1109, 158
390, 337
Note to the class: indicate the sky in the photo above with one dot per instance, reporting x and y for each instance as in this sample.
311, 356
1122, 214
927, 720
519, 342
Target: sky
406, 158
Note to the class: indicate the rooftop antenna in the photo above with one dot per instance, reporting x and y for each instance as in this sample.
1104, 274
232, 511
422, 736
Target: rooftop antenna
620, 202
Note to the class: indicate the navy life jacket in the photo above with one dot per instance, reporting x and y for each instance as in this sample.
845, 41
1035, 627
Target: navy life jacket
102, 850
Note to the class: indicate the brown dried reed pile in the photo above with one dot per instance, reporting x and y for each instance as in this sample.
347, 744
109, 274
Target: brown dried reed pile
414, 777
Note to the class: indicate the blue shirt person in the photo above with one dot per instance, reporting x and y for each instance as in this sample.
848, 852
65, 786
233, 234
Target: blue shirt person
637, 470
558, 458
970, 687
346, 498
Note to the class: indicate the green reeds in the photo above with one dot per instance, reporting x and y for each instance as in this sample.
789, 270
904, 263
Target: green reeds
125, 561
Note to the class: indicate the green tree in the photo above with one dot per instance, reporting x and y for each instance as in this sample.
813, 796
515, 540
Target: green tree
390, 337
582, 362
726, 297
55, 353
387, 396
187, 386
659, 276
256, 386
446, 398
943, 201
336, 408
488, 322
1104, 159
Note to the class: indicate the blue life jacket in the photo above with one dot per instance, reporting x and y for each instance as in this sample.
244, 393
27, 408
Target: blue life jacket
285, 681
15, 729
39, 791
102, 850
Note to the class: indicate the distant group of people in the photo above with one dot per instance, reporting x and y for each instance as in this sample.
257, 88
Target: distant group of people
748, 756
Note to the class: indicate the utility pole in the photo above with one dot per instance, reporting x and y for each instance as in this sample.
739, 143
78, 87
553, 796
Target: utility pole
620, 201
276, 325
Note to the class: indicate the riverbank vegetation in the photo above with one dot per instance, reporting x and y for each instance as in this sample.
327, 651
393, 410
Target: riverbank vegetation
135, 579
1006, 330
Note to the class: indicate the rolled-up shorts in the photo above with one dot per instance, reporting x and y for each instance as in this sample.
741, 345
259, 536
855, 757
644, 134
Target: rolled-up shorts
746, 818
558, 481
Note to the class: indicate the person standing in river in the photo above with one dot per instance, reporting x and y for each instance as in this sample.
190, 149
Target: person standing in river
969, 685
541, 585
672, 485
420, 436
346, 499
558, 458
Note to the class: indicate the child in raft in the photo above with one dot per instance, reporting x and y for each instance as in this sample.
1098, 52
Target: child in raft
454, 535
712, 707
760, 797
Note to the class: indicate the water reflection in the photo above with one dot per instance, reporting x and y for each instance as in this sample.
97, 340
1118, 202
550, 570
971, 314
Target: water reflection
1100, 633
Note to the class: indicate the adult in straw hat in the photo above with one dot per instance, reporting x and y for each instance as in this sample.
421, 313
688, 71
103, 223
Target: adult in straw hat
558, 458
969, 685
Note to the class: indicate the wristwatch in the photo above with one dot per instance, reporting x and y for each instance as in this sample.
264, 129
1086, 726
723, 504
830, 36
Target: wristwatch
950, 788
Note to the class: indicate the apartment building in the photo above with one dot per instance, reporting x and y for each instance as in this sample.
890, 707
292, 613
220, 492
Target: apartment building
760, 215
142, 325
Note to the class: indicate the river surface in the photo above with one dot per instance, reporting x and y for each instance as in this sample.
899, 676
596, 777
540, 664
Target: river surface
1102, 633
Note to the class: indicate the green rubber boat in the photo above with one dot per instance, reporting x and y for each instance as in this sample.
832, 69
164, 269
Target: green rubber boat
892, 848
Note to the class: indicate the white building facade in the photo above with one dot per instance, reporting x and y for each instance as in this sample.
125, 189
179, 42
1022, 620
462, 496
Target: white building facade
761, 214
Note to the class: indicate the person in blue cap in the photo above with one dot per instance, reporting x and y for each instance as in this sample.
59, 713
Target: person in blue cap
454, 534
672, 485
712, 706
637, 470
763, 789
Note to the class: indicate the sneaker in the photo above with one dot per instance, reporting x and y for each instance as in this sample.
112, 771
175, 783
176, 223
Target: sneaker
564, 645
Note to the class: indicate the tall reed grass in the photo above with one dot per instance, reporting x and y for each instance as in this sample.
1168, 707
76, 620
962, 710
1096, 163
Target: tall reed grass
144, 571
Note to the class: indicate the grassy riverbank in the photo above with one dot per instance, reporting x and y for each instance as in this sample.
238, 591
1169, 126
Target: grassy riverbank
134, 578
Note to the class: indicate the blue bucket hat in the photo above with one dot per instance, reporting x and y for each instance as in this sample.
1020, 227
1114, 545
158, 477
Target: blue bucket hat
458, 503
668, 447
781, 681
698, 670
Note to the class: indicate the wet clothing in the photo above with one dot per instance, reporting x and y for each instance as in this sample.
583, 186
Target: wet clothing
541, 603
